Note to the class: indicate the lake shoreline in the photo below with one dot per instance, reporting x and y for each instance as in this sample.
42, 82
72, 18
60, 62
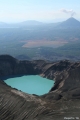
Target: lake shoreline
31, 84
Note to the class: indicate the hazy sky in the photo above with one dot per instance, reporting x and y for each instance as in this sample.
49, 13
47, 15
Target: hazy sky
41, 10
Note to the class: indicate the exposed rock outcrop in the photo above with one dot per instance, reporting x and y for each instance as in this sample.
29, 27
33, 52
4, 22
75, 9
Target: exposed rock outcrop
63, 100
67, 80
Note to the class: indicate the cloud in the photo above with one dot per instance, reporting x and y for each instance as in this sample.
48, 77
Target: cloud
71, 12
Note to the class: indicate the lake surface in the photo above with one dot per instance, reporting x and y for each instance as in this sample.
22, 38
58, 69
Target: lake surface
32, 84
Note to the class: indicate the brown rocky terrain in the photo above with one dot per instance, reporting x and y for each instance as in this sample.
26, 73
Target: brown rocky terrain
62, 101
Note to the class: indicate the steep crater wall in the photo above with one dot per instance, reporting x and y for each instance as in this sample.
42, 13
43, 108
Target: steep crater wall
62, 100
65, 73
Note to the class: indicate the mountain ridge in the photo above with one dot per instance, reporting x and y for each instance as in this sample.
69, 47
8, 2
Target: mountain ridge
68, 22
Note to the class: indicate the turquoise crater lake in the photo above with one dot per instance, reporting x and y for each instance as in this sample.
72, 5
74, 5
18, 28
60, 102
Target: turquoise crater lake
32, 84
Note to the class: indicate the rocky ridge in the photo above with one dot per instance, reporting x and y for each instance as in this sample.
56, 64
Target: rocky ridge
63, 100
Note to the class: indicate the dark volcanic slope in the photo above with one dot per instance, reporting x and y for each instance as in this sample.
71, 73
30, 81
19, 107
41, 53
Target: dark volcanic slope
63, 100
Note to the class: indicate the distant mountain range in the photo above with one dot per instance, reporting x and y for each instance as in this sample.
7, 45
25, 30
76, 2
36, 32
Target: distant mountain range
21, 24
3, 24
69, 23
31, 22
